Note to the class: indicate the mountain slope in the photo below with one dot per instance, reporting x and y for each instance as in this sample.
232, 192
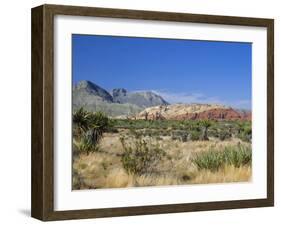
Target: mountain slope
94, 98
142, 99
85, 89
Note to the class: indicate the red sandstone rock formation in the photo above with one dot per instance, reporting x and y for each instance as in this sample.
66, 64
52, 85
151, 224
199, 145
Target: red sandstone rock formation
215, 114
194, 112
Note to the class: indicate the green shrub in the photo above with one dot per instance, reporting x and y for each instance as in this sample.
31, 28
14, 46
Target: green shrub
180, 135
140, 157
184, 137
245, 135
214, 159
224, 135
244, 131
194, 135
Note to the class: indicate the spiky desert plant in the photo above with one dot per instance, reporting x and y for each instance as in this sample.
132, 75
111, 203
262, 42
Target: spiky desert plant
83, 145
91, 140
205, 124
99, 121
81, 120
90, 128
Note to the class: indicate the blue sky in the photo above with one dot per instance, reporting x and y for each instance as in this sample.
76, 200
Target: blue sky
185, 71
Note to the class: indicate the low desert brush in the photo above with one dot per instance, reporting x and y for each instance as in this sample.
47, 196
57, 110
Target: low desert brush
140, 157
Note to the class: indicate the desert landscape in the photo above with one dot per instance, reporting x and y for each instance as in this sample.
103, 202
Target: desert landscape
134, 139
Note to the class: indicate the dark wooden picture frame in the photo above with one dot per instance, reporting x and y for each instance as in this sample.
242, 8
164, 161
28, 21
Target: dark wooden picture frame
42, 203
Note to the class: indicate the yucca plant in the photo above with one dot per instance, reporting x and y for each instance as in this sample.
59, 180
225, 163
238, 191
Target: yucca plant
99, 121
81, 120
89, 141
90, 128
82, 145
205, 124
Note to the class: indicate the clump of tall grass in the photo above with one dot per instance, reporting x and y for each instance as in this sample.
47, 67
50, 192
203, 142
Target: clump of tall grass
88, 142
213, 159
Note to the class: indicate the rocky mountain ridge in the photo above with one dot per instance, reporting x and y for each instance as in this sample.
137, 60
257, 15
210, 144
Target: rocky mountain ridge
147, 105
140, 98
118, 103
193, 112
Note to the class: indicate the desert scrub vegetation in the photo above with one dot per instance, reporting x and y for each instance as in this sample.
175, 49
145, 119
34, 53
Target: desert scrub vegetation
88, 129
140, 156
105, 169
111, 153
213, 159
186, 130
205, 125
244, 131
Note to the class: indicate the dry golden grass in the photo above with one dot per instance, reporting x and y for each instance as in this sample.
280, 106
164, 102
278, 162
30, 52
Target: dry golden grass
224, 175
118, 178
104, 169
156, 180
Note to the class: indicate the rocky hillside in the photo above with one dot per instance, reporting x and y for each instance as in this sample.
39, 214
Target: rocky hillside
193, 112
121, 103
88, 92
142, 99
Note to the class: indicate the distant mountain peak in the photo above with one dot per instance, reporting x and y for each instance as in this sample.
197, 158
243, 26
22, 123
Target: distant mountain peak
84, 84
119, 92
91, 88
142, 99
119, 102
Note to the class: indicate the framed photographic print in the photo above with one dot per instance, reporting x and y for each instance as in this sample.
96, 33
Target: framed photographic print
141, 112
